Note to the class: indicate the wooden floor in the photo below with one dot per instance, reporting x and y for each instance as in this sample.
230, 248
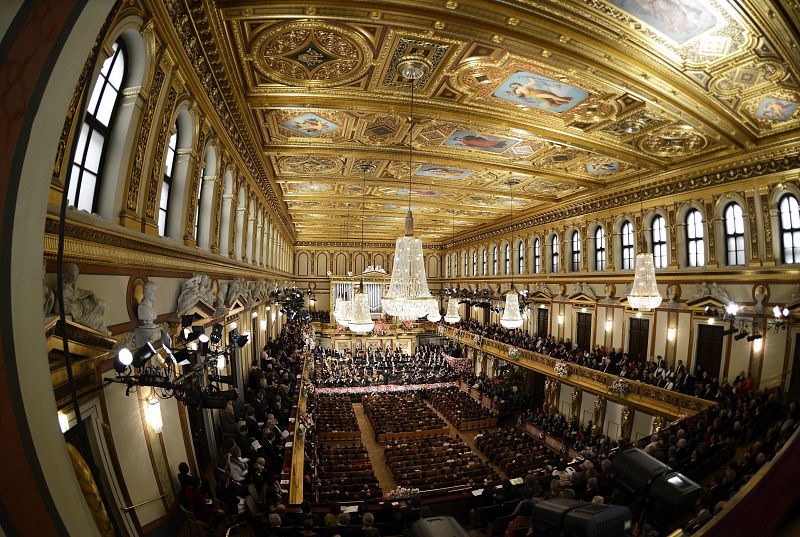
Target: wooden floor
375, 450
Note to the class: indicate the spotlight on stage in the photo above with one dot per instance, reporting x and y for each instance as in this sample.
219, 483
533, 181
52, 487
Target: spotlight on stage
668, 497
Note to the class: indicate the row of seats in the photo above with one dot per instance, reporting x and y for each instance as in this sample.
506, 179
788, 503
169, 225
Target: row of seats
514, 452
345, 474
459, 408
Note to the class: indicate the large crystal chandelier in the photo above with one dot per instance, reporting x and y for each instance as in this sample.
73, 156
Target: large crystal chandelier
408, 297
452, 315
434, 315
644, 295
361, 317
341, 311
511, 318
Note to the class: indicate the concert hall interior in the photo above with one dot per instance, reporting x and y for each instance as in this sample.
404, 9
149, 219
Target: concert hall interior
355, 268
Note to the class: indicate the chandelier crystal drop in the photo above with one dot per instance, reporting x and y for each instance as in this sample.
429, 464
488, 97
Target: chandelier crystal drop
341, 311
433, 311
361, 320
452, 315
511, 318
644, 295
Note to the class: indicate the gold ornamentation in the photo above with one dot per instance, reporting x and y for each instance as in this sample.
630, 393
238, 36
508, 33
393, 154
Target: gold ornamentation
135, 176
766, 217
674, 141
751, 217
309, 53
151, 201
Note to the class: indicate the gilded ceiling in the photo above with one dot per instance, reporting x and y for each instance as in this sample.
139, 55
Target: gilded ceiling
526, 100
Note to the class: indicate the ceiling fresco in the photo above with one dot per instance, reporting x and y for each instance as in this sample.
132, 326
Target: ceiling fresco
539, 102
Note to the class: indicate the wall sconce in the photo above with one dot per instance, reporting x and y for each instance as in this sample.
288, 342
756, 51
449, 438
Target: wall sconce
263, 325
152, 413
711, 320
609, 325
233, 325
274, 315
560, 319
671, 333
583, 310
269, 307
758, 344
63, 421
254, 315
638, 314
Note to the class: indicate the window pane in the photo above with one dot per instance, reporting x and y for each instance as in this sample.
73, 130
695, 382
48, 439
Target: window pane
168, 163
74, 179
162, 222
94, 152
106, 106
163, 203
117, 71
96, 92
86, 197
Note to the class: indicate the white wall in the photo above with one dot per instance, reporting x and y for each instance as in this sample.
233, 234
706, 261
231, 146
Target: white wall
565, 399
587, 407
642, 425
613, 419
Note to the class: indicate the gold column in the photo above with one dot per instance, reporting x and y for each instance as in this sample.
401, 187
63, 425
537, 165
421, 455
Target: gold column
659, 422
627, 423
576, 403
599, 414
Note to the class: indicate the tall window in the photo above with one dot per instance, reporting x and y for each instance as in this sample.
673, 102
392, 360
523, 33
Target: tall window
166, 184
521, 257
494, 261
474, 262
659, 236
627, 245
695, 244
734, 234
95, 132
507, 259
554, 255
576, 251
790, 228
537, 257
466, 264
197, 205
484, 255
455, 264
599, 249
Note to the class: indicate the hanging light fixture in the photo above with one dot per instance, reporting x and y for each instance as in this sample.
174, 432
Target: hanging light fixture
361, 318
341, 309
408, 297
452, 316
511, 318
644, 295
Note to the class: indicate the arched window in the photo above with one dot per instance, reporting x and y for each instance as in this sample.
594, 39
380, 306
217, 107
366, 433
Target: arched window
599, 249
507, 259
521, 257
93, 139
554, 255
455, 265
466, 264
474, 262
627, 245
695, 245
576, 251
659, 236
494, 261
166, 184
734, 234
790, 228
484, 261
537, 257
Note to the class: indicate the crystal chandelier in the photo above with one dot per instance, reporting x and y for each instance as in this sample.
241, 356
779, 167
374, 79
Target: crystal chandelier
408, 297
511, 318
361, 318
452, 315
644, 295
341, 311
433, 312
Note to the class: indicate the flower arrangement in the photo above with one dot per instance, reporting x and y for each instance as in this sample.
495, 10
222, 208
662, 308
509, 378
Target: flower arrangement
381, 328
619, 387
407, 325
477, 339
305, 422
562, 369
309, 388
513, 353
401, 493
341, 328
440, 330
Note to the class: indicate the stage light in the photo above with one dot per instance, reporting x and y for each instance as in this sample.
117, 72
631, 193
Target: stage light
203, 338
216, 333
729, 331
741, 335
242, 340
125, 356
561, 516
753, 337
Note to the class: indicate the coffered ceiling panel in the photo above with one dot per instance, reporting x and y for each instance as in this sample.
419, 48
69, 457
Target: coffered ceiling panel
537, 101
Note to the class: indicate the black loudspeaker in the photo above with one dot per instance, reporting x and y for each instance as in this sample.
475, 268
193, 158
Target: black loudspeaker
669, 496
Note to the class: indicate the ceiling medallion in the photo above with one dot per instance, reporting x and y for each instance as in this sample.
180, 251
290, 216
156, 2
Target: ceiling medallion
311, 53
673, 141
